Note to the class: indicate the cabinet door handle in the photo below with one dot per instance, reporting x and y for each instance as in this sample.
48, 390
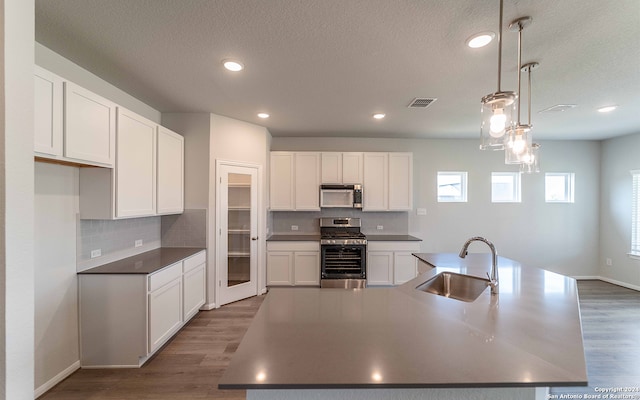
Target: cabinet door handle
254, 238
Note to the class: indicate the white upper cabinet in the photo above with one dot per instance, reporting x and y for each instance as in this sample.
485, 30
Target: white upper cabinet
376, 182
47, 113
307, 181
346, 168
90, 126
388, 181
400, 181
72, 124
295, 181
148, 178
331, 167
135, 165
353, 168
281, 183
170, 172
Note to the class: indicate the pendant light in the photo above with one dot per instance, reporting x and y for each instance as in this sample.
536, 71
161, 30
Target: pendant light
497, 108
518, 140
532, 163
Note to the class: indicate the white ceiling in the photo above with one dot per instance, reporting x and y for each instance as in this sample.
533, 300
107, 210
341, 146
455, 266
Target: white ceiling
323, 67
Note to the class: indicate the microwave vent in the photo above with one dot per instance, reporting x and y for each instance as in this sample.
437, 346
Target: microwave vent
422, 102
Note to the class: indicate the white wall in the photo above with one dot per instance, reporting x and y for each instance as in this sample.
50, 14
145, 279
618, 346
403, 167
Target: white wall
558, 237
619, 156
16, 199
56, 301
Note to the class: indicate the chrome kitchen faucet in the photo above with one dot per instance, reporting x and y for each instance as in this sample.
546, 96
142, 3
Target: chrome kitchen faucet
493, 279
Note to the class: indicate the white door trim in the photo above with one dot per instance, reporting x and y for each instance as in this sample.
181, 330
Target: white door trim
260, 232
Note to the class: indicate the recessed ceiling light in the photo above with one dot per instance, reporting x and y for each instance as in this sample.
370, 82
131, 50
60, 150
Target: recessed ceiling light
263, 115
378, 116
233, 65
480, 39
607, 109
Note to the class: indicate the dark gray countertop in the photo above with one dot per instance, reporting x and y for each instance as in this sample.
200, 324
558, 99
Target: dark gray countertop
316, 237
145, 263
528, 335
392, 238
293, 237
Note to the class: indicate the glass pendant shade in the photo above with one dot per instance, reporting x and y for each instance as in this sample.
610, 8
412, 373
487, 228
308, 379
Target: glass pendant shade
497, 119
531, 164
517, 145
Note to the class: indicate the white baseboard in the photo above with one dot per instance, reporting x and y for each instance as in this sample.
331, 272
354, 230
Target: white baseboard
208, 306
56, 379
619, 283
609, 280
587, 278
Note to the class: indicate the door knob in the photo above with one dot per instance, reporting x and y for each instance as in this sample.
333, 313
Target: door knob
254, 238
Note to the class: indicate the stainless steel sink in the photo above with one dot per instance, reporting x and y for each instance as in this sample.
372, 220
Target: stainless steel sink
455, 286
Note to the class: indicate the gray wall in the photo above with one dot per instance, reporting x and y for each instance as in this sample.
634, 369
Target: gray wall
56, 283
16, 199
66, 69
558, 237
619, 156
208, 138
54, 277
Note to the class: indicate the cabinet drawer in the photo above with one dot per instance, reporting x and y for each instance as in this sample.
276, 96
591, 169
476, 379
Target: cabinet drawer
393, 246
164, 276
194, 261
293, 246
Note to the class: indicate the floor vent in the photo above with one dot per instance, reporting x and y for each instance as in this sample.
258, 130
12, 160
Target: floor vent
421, 102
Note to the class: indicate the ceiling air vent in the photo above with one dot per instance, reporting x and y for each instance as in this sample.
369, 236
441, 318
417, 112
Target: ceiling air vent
421, 102
558, 108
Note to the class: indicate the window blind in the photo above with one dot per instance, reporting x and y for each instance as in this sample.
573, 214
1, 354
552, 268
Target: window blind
635, 214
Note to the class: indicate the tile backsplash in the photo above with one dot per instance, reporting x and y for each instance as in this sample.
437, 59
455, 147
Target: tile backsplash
115, 239
393, 223
188, 229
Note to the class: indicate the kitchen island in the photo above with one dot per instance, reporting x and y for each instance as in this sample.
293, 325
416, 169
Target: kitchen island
377, 342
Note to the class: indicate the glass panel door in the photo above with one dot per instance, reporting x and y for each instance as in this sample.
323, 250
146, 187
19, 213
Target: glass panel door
237, 241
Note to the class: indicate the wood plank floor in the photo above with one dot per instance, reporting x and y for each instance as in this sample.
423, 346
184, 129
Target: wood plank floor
611, 331
190, 366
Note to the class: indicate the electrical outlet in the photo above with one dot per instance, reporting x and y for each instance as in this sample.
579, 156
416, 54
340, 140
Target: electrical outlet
421, 211
379, 227
609, 262
138, 243
96, 253
294, 227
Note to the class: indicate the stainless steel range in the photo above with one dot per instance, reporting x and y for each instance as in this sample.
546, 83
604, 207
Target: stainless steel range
343, 253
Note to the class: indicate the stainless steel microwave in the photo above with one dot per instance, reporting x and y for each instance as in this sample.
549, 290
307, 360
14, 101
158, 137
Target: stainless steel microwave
341, 196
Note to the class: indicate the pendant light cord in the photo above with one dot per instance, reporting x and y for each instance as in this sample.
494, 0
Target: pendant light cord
529, 94
519, 67
500, 46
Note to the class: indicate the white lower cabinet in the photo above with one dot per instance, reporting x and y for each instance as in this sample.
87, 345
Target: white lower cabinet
193, 284
165, 312
292, 263
391, 263
125, 318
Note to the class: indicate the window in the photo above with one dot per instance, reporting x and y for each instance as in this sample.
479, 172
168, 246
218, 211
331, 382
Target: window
505, 187
635, 214
558, 187
452, 187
